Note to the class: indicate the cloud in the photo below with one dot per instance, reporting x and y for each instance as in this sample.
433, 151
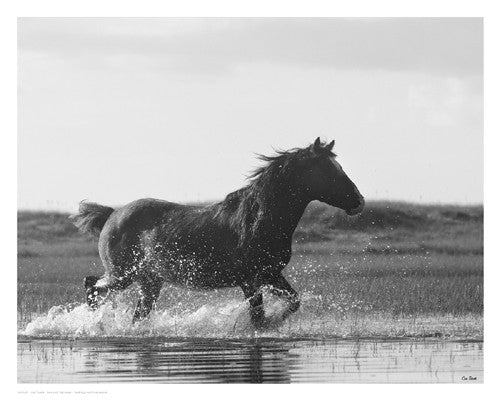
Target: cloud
445, 46
446, 103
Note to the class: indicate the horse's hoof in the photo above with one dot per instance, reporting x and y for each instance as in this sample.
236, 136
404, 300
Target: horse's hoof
90, 281
138, 318
91, 299
260, 323
294, 306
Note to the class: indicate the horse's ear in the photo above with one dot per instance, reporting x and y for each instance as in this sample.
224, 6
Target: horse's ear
316, 147
329, 146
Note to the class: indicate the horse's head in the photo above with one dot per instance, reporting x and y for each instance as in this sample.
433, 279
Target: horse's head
325, 180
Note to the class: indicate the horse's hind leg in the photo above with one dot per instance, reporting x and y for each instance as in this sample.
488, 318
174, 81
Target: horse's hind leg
100, 286
150, 290
281, 287
254, 297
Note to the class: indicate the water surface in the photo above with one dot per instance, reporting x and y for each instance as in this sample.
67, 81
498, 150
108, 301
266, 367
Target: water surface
260, 360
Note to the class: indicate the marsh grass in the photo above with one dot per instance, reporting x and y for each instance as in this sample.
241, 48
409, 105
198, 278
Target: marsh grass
396, 259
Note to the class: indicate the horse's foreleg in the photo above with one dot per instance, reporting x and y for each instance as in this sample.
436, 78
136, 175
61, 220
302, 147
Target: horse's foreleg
150, 290
281, 287
91, 292
254, 297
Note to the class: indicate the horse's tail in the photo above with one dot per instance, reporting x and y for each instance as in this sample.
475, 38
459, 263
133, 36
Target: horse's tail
91, 217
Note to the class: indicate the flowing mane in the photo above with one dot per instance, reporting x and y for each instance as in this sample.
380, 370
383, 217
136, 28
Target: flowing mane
283, 159
277, 163
249, 209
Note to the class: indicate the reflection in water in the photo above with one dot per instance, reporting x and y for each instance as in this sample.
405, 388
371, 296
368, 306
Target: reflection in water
252, 361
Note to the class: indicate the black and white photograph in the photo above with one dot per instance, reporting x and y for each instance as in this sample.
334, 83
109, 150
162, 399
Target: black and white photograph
250, 200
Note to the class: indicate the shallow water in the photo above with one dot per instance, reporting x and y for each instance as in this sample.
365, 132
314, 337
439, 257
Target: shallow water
228, 318
214, 341
161, 360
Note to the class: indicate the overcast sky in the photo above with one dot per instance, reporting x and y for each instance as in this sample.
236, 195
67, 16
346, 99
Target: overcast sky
117, 109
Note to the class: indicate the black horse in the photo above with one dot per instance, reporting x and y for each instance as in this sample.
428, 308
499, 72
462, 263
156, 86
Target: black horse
245, 240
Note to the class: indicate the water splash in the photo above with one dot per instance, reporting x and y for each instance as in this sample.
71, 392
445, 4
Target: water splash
217, 319
226, 317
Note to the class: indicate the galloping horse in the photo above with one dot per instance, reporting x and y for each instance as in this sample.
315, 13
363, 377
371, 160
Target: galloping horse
245, 240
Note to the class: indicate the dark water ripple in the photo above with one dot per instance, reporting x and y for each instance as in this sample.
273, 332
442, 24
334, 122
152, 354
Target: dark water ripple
156, 360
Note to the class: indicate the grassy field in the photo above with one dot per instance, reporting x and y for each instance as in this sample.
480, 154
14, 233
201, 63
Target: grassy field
398, 259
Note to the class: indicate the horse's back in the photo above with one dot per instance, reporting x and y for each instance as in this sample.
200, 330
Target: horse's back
181, 243
140, 215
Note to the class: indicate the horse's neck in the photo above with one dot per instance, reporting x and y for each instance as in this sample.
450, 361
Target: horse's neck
283, 213
260, 219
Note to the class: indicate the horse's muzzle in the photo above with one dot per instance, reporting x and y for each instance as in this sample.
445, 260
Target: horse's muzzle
358, 209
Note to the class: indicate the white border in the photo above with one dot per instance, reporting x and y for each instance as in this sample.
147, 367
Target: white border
226, 8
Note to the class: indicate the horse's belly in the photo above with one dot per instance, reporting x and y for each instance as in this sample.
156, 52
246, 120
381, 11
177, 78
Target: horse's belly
198, 274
